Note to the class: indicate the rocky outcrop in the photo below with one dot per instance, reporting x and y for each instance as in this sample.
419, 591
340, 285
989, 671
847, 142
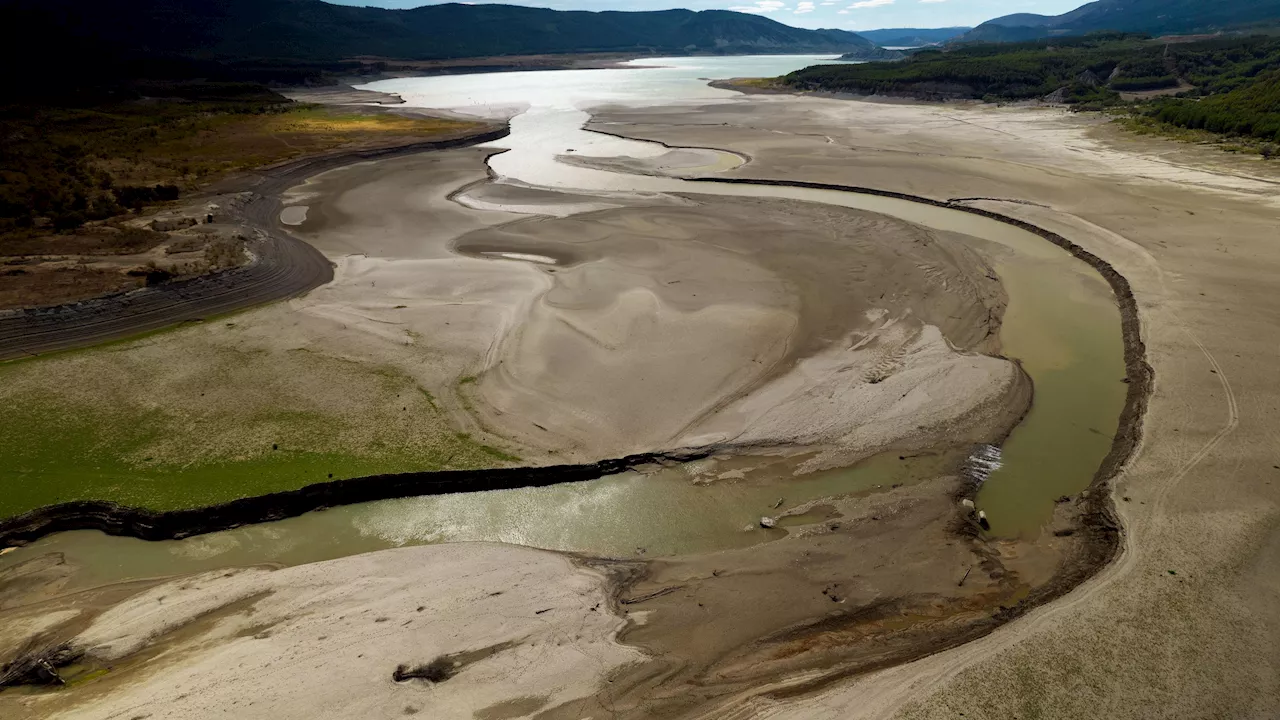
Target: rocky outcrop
1088, 78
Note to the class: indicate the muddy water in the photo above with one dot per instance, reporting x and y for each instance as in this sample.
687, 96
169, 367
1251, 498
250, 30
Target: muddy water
1062, 324
696, 507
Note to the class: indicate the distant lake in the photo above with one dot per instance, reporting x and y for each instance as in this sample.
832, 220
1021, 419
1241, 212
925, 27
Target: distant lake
649, 81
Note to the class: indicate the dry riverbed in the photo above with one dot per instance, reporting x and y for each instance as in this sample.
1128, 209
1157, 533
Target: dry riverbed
1185, 623
635, 324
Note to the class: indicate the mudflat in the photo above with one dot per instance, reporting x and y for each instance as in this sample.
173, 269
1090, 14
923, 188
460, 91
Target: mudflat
459, 333
778, 630
1187, 622
624, 322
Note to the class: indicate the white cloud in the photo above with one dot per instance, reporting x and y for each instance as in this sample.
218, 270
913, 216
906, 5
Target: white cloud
803, 7
828, 2
842, 12
761, 6
870, 4
932, 1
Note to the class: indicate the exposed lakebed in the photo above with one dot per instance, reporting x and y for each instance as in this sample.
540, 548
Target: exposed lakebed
1062, 324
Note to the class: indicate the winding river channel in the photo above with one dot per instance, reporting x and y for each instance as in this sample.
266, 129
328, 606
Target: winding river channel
1062, 324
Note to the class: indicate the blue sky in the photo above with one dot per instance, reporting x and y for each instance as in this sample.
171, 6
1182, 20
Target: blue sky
847, 14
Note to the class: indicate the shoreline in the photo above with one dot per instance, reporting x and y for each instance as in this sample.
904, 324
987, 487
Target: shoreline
551, 61
284, 266
736, 85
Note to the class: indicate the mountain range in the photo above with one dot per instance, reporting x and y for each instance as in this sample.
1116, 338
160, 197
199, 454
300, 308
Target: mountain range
312, 30
1153, 17
89, 40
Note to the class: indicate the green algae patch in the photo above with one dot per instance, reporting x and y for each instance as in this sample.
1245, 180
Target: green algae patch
49, 457
135, 425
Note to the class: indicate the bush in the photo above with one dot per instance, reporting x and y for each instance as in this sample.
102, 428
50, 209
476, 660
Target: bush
1144, 83
68, 220
1250, 110
135, 197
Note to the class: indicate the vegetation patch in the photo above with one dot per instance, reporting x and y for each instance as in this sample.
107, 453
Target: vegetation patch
1014, 71
1250, 110
73, 173
446, 667
64, 166
212, 414
1233, 81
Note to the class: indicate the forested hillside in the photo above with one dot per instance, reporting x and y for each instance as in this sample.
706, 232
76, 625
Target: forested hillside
1252, 109
1014, 71
313, 30
1154, 17
1225, 85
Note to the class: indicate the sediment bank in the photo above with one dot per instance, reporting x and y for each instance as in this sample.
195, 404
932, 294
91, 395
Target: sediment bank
1192, 232
1140, 374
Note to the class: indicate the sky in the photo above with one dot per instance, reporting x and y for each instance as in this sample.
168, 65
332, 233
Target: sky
844, 14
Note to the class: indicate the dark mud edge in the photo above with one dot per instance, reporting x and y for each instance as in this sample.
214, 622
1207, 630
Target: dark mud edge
601, 131
114, 519
1099, 533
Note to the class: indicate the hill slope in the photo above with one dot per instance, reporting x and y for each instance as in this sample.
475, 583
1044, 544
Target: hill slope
315, 30
1155, 17
1253, 109
912, 37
